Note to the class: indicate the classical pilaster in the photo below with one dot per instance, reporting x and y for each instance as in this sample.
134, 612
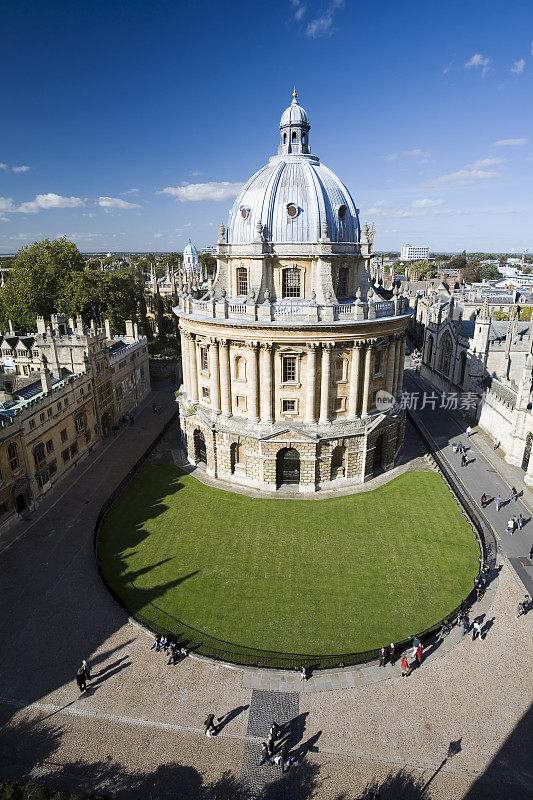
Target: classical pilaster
355, 381
310, 416
214, 389
185, 361
225, 379
253, 382
367, 383
391, 365
265, 381
400, 357
324, 383
193, 370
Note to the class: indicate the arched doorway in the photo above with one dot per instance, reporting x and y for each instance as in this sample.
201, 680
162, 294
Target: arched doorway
377, 464
20, 503
527, 451
337, 463
200, 451
287, 466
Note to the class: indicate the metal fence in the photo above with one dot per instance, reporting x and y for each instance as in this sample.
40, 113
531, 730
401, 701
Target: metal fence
218, 649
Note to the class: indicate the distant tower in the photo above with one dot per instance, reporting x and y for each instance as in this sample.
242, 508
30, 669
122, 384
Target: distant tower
191, 263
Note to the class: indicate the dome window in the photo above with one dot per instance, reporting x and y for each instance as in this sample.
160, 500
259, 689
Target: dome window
341, 211
245, 212
292, 210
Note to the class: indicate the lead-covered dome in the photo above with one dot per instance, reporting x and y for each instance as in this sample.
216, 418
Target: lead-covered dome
294, 194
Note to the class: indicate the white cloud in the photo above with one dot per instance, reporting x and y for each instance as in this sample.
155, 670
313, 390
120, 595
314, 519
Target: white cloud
463, 177
299, 9
2, 165
479, 61
518, 66
131, 191
193, 192
4, 219
510, 142
426, 203
323, 25
6, 204
22, 168
43, 202
116, 203
486, 162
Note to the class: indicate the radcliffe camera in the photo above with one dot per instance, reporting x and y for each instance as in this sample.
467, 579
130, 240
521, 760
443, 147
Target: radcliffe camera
266, 401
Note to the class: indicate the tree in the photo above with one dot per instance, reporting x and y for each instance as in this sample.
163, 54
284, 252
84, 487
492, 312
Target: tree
424, 268
100, 295
489, 272
472, 271
93, 263
457, 262
38, 276
208, 261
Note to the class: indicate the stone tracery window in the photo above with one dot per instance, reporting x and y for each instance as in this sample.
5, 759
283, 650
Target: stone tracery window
291, 282
446, 354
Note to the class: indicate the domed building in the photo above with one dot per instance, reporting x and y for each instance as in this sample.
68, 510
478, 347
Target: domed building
293, 359
191, 263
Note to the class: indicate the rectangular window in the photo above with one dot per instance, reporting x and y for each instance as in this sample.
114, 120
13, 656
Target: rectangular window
59, 406
65, 455
205, 392
79, 422
240, 402
13, 456
43, 478
49, 413
4, 508
288, 406
291, 282
205, 359
66, 402
64, 435
50, 446
289, 369
342, 282
42, 416
377, 362
81, 390
32, 424
73, 449
39, 456
52, 467
340, 404
242, 281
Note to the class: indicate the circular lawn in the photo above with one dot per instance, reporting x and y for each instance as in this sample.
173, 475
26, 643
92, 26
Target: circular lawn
279, 582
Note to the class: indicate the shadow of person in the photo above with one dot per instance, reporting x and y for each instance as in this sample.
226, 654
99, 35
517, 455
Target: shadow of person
292, 732
300, 752
488, 501
109, 674
487, 626
109, 667
225, 719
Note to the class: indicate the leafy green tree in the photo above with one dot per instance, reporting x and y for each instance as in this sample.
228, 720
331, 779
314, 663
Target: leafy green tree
38, 275
93, 263
100, 295
425, 269
489, 272
457, 262
108, 261
472, 271
208, 261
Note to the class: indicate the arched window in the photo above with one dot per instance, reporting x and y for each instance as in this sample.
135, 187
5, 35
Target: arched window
291, 282
13, 456
284, 138
446, 354
462, 368
240, 368
294, 136
342, 282
341, 370
429, 352
242, 280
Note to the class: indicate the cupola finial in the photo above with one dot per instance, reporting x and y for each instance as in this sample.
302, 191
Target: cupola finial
294, 95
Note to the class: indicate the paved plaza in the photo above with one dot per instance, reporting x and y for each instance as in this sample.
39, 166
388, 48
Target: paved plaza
458, 727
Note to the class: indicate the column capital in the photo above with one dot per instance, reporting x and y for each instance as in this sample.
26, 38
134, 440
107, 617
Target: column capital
223, 342
312, 347
212, 340
266, 346
358, 344
187, 334
251, 345
327, 346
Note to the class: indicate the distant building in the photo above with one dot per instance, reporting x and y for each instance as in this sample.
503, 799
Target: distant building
411, 253
209, 251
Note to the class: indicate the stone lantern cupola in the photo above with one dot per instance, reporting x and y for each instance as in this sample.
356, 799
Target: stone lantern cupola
294, 129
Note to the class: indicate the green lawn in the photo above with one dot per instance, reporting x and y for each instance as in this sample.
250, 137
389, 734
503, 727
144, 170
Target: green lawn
306, 576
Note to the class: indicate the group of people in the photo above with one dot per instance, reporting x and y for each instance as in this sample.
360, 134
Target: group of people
83, 675
416, 655
271, 753
162, 643
387, 655
524, 606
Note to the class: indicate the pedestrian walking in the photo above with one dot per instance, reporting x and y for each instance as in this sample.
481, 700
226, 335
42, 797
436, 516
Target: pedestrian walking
498, 502
156, 644
81, 680
465, 622
464, 460
274, 730
483, 500
477, 587
303, 674
87, 670
510, 526
523, 607
454, 447
514, 495
271, 743
468, 432
382, 657
476, 630
392, 653
520, 522
419, 652
496, 443
285, 757
132, 421
416, 643
460, 448
210, 727
531, 552
265, 755
406, 669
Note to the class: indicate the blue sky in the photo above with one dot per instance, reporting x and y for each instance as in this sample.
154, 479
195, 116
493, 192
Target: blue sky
423, 109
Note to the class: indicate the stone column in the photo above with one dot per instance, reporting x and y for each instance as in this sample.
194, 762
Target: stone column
265, 380
528, 477
355, 381
367, 385
253, 381
400, 356
214, 389
225, 378
185, 361
310, 416
391, 366
324, 383
193, 370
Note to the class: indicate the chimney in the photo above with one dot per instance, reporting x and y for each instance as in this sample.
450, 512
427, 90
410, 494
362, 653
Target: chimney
107, 329
129, 328
135, 330
41, 327
46, 378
